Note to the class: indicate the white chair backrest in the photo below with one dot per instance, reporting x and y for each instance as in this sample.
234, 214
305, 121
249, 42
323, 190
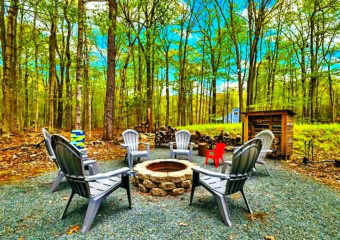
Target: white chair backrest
182, 139
267, 138
131, 138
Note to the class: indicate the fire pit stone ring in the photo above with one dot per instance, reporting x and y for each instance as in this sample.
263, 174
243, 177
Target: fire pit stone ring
164, 176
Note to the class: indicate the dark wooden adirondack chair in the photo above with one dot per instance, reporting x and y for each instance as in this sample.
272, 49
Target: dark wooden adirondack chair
221, 185
89, 164
96, 187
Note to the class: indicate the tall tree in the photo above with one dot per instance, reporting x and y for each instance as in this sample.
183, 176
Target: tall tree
8, 68
111, 72
52, 63
79, 67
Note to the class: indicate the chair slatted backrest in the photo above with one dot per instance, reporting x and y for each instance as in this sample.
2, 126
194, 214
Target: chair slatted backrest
47, 139
243, 164
131, 138
219, 150
267, 138
71, 163
182, 139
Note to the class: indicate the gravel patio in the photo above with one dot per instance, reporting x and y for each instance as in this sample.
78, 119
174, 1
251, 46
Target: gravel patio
286, 205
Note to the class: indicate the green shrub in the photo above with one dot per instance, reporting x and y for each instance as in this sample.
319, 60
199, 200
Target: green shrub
326, 137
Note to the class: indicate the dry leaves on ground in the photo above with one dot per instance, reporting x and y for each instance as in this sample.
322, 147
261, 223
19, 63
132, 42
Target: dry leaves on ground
24, 156
257, 216
73, 229
183, 224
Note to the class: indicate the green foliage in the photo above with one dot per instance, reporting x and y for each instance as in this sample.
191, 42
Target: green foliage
215, 129
326, 137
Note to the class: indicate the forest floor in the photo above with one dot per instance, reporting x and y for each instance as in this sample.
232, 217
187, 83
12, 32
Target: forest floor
24, 156
287, 205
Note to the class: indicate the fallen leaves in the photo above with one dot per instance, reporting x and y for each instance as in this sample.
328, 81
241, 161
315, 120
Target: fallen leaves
269, 238
24, 156
21, 238
257, 216
236, 196
183, 224
73, 229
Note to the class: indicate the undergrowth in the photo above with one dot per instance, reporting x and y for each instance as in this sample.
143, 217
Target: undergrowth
326, 137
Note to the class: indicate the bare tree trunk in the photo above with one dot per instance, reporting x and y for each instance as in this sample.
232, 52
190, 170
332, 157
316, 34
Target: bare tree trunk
67, 73
3, 52
110, 84
14, 82
7, 82
36, 88
167, 87
79, 68
26, 116
52, 66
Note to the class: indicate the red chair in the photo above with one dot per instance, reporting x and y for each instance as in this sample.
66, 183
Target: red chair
217, 154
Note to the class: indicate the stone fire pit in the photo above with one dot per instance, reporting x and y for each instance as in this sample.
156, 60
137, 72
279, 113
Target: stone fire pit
163, 177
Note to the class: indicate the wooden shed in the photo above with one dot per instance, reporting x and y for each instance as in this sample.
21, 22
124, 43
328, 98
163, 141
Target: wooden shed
280, 122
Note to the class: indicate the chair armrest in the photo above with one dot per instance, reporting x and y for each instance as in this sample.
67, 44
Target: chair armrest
210, 173
123, 145
89, 162
107, 175
191, 145
266, 151
83, 151
147, 146
171, 145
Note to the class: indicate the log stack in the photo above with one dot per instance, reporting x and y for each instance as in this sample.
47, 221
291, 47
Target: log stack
164, 135
142, 128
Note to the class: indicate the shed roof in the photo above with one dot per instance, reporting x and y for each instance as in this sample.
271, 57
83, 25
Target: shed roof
275, 112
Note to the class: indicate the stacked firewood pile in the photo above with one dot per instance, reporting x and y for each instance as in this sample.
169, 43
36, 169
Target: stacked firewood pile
223, 137
165, 135
142, 127
276, 147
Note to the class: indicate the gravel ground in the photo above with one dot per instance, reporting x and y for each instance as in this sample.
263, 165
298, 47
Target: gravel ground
286, 205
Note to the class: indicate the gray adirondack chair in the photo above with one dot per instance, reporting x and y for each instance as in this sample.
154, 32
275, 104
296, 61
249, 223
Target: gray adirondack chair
95, 188
90, 165
131, 143
267, 138
182, 144
221, 185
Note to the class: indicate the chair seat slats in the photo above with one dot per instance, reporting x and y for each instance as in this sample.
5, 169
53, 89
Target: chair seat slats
103, 185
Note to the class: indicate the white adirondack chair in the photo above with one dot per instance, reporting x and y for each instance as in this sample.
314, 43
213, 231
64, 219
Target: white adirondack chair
131, 142
267, 138
182, 143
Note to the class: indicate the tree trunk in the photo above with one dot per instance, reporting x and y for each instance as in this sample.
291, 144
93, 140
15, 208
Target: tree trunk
67, 73
14, 82
36, 87
111, 70
7, 92
79, 68
52, 67
167, 87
